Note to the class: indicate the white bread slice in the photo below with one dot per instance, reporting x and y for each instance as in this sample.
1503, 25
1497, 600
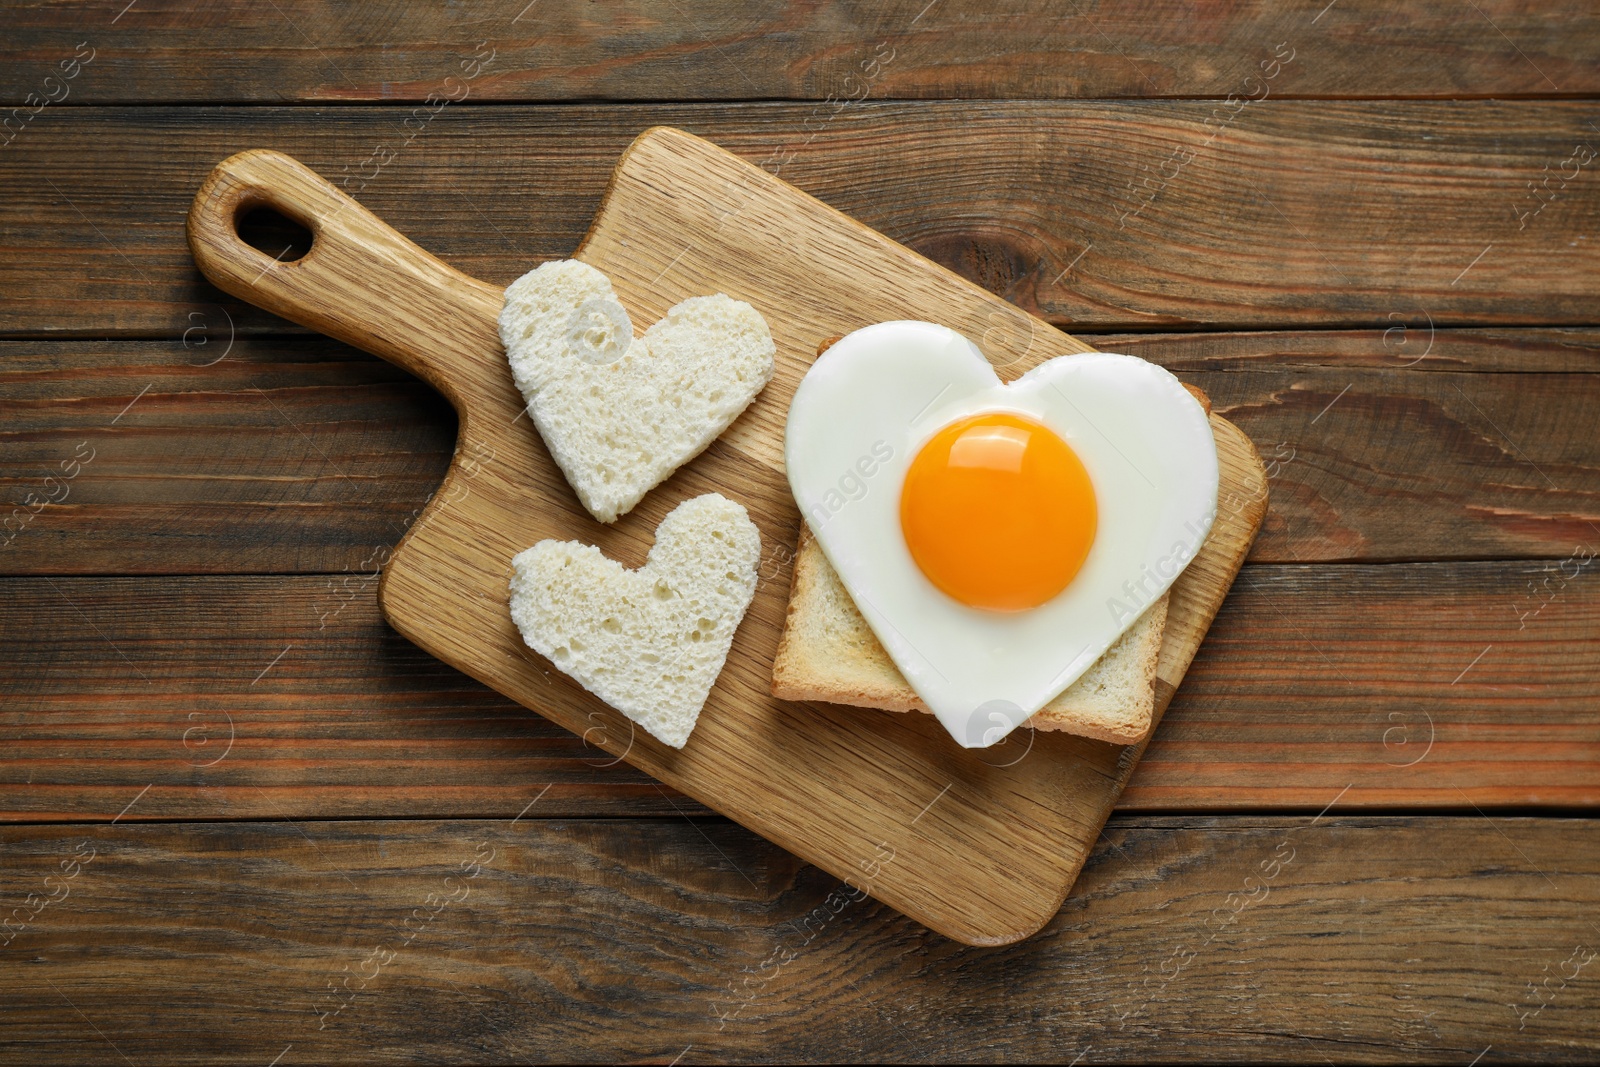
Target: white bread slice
619, 413
828, 652
649, 642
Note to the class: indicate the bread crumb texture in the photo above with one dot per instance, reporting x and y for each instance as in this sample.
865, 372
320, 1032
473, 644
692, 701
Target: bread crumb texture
829, 653
619, 413
649, 642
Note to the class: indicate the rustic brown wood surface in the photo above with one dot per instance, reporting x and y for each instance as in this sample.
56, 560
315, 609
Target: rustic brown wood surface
1311, 679
160, 51
279, 455
1337, 939
828, 783
1095, 215
1395, 299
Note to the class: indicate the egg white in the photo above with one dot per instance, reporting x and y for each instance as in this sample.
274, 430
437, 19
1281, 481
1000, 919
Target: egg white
876, 396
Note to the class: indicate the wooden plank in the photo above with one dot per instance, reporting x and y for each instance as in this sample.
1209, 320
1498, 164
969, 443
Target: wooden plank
1412, 685
1407, 343
1103, 215
1370, 464
657, 50
233, 455
1239, 939
1381, 678
297, 454
254, 699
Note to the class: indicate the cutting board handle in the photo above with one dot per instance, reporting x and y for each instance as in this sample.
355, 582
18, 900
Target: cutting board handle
361, 282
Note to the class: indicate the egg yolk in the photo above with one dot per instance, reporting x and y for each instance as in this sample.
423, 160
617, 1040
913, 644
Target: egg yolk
998, 512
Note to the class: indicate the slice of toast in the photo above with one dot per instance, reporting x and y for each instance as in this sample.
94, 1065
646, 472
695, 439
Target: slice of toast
828, 652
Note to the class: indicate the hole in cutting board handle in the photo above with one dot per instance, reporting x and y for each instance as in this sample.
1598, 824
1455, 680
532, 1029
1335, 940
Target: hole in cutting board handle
271, 232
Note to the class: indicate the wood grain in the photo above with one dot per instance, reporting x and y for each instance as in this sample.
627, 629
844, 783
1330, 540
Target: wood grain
1428, 685
1408, 343
1355, 940
1312, 678
1313, 213
822, 782
1417, 939
239, 698
212, 454
298, 454
160, 52
1371, 464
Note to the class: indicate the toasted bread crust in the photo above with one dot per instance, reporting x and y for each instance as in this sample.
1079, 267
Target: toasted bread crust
828, 653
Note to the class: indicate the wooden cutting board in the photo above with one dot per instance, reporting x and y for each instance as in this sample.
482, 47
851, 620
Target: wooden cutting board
980, 845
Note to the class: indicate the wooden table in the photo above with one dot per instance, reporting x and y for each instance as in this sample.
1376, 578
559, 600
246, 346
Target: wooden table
246, 822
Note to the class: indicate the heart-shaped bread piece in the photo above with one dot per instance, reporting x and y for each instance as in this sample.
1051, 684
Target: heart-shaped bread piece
649, 642
618, 413
862, 415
